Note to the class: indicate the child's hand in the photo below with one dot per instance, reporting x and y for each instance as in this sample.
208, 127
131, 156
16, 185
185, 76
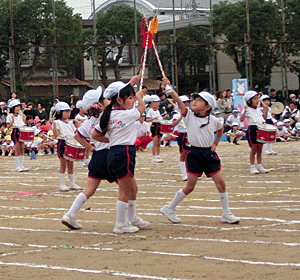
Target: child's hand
213, 147
245, 107
135, 79
51, 121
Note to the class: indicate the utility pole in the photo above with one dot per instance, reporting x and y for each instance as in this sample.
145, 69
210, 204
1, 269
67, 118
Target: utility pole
175, 49
12, 40
212, 49
54, 60
249, 46
284, 49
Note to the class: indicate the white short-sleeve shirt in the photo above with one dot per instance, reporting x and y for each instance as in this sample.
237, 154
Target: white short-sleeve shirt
201, 137
121, 127
231, 119
66, 129
180, 127
141, 128
81, 118
152, 114
86, 130
18, 121
254, 116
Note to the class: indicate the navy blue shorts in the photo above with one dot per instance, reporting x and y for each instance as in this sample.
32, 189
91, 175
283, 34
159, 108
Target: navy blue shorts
15, 135
251, 135
98, 166
155, 130
269, 121
61, 148
121, 161
183, 142
201, 160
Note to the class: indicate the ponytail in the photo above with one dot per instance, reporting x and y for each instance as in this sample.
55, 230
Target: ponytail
105, 118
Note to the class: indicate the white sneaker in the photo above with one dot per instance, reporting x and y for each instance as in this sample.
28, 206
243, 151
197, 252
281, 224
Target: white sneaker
10, 154
138, 222
262, 170
229, 218
253, 170
268, 153
159, 159
18, 169
155, 159
170, 214
273, 152
83, 164
75, 188
23, 169
64, 188
70, 222
125, 228
184, 177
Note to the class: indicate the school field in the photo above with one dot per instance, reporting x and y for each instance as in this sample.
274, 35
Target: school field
265, 245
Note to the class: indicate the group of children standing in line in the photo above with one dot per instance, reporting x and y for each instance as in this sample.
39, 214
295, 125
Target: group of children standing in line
113, 128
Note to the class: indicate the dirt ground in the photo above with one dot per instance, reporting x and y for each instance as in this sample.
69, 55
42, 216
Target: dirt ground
265, 245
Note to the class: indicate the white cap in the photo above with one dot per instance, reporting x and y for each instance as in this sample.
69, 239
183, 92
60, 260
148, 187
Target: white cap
274, 120
184, 98
235, 124
114, 89
91, 97
249, 94
297, 126
146, 97
62, 106
154, 98
211, 101
216, 113
79, 104
235, 111
13, 103
2, 103
264, 97
280, 123
286, 120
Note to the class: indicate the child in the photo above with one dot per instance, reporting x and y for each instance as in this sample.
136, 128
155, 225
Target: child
118, 123
81, 116
296, 131
143, 134
29, 121
8, 146
281, 135
287, 129
64, 130
182, 141
234, 134
267, 101
254, 117
98, 166
202, 157
153, 115
16, 121
53, 143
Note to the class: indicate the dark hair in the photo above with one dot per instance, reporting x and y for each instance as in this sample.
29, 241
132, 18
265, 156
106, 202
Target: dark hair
228, 90
12, 109
58, 116
124, 93
41, 105
292, 102
94, 112
272, 90
29, 117
144, 87
30, 103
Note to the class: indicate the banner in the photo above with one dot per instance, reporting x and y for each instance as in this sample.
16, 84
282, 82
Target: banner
239, 88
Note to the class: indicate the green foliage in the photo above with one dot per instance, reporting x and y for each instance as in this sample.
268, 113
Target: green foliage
33, 25
265, 22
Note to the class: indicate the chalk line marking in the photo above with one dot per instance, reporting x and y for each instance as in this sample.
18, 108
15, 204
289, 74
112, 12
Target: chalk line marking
73, 269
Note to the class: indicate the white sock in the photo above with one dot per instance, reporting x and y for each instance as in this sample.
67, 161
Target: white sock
17, 162
21, 160
61, 177
224, 201
252, 166
179, 196
270, 147
121, 212
259, 165
131, 210
182, 167
72, 180
77, 204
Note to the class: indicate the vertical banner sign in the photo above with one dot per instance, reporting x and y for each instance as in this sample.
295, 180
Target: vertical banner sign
239, 88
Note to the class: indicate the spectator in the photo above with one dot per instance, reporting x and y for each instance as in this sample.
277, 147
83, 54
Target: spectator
292, 98
13, 96
229, 99
224, 106
74, 111
29, 121
41, 113
291, 112
52, 110
165, 107
3, 113
297, 101
274, 97
30, 110
234, 117
234, 134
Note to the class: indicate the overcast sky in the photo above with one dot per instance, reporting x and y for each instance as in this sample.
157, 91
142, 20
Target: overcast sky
83, 7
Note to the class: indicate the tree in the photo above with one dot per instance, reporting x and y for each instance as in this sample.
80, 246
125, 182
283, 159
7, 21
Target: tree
292, 11
33, 26
192, 59
114, 26
265, 25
